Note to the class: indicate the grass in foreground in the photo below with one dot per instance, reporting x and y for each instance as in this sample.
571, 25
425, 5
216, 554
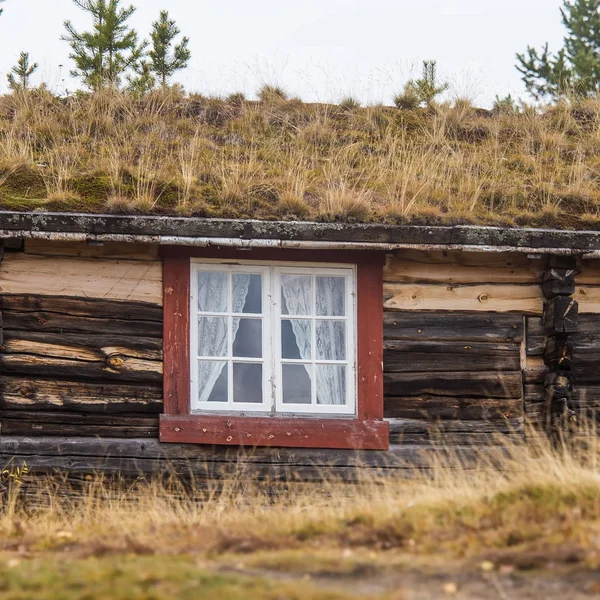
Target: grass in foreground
515, 511
279, 158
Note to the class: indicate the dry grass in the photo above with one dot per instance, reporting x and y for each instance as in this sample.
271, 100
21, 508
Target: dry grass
281, 158
513, 507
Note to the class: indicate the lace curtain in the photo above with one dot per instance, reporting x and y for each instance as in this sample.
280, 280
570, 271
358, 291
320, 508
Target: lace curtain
213, 291
331, 381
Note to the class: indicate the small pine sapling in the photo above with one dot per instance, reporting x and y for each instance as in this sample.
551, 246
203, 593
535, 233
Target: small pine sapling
165, 58
20, 74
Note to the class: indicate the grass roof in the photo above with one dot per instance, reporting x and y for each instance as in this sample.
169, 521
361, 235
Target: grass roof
168, 153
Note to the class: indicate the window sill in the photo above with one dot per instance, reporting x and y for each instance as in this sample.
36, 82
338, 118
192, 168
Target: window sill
213, 429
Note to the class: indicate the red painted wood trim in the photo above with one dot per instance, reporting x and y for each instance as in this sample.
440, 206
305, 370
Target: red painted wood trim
272, 254
273, 431
176, 335
369, 284
368, 431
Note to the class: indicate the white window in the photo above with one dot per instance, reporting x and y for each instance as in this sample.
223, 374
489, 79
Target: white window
273, 339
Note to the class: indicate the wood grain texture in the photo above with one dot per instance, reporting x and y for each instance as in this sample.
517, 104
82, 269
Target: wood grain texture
39, 394
588, 297
522, 299
132, 281
452, 408
84, 250
452, 327
176, 335
466, 384
72, 424
349, 434
430, 356
453, 267
369, 285
133, 457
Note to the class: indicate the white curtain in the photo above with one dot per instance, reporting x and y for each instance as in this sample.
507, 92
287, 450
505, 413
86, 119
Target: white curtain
331, 344
213, 292
331, 385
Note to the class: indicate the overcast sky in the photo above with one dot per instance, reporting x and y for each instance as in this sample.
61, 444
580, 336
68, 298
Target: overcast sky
320, 50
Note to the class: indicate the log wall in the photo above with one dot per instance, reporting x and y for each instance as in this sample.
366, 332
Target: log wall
81, 363
454, 343
82, 349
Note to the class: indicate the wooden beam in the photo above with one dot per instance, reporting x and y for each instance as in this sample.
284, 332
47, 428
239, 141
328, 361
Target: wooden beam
131, 281
84, 250
522, 299
454, 267
452, 326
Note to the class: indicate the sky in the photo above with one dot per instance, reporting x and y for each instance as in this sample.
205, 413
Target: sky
319, 50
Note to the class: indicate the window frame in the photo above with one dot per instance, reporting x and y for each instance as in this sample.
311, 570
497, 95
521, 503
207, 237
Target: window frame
365, 429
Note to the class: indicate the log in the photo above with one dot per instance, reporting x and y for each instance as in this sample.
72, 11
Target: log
522, 299
31, 423
561, 315
535, 336
452, 327
452, 267
83, 250
535, 370
409, 356
425, 426
83, 307
588, 297
455, 384
559, 353
131, 281
440, 408
558, 282
37, 394
126, 457
114, 368
92, 348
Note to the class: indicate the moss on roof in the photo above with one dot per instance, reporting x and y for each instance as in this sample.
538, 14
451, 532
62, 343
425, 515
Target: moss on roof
168, 153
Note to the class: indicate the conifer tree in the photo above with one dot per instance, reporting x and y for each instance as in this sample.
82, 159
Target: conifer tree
18, 78
575, 68
165, 58
0, 8
103, 55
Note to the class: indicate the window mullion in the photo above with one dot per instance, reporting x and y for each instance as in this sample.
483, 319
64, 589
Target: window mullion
313, 356
230, 337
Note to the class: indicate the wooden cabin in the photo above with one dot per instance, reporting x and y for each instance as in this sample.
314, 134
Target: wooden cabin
138, 344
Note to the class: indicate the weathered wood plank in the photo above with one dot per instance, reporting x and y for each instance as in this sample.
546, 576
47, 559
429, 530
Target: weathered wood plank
114, 368
132, 281
145, 456
424, 426
37, 394
82, 347
82, 307
522, 299
588, 297
535, 336
440, 408
455, 384
84, 250
408, 356
452, 327
452, 267
535, 370
19, 422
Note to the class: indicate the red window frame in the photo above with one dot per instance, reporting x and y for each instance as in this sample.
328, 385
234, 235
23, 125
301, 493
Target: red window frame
366, 430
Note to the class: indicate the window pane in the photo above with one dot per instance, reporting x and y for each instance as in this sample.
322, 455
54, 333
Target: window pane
331, 340
296, 384
212, 291
296, 295
247, 293
212, 336
248, 338
247, 382
331, 384
331, 296
296, 338
212, 381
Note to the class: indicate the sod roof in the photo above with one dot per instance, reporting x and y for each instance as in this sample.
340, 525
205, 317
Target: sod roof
279, 159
